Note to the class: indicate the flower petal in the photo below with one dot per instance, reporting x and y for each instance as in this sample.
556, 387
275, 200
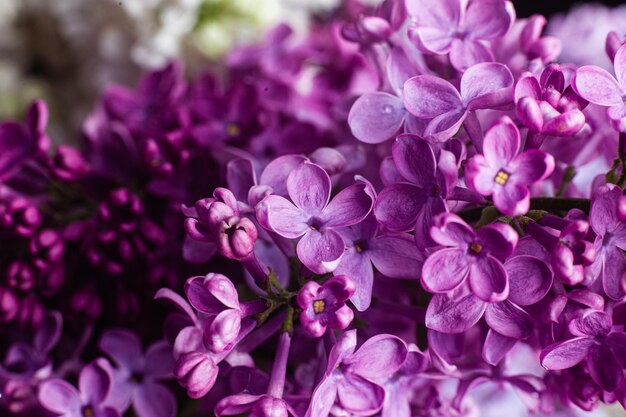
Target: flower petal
376, 117
308, 186
159, 360
414, 159
450, 230
60, 397
563, 355
592, 323
465, 53
396, 257
530, 279
358, 395
509, 320
483, 80
154, 400
499, 239
235, 404
531, 166
350, 206
596, 85
447, 315
123, 346
279, 215
398, 206
604, 368
488, 19
480, 175
221, 331
321, 252
488, 279
496, 347
379, 357
619, 62
323, 398
358, 267
501, 143
445, 270
512, 199
94, 382
277, 171
427, 96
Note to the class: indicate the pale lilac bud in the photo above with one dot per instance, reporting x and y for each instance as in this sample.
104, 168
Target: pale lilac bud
68, 164
269, 407
9, 305
236, 237
19, 216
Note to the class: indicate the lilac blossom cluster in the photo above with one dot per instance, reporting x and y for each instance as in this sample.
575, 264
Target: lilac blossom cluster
413, 204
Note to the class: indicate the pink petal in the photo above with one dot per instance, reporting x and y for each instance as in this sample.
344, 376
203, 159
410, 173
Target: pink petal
236, 404
123, 346
512, 199
396, 257
358, 267
321, 252
94, 382
530, 279
60, 397
323, 398
527, 86
509, 320
479, 175
531, 166
563, 355
358, 395
496, 347
277, 171
431, 40
159, 360
501, 143
427, 96
379, 357
597, 86
467, 52
446, 125
482, 80
154, 400
376, 117
350, 206
398, 206
604, 368
308, 186
499, 239
489, 19
619, 62
445, 270
451, 230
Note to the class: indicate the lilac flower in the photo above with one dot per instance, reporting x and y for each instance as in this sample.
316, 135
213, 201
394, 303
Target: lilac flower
546, 106
476, 257
610, 263
324, 305
312, 217
413, 203
459, 28
216, 296
90, 399
350, 376
400, 387
605, 350
599, 87
18, 143
483, 86
505, 173
393, 255
136, 377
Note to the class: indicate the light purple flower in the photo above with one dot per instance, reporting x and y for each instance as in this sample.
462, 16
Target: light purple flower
486, 85
350, 376
136, 379
459, 27
475, 257
393, 255
596, 85
216, 296
605, 350
89, 400
610, 262
324, 305
400, 388
505, 173
312, 216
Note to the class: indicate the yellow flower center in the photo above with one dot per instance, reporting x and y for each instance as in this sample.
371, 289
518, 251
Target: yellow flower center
232, 129
476, 248
319, 306
501, 177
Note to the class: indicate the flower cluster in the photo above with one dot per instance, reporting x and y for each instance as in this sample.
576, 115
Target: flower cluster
411, 209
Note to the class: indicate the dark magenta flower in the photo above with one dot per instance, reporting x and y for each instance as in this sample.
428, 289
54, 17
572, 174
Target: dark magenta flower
137, 376
595, 341
324, 305
89, 400
596, 85
504, 172
460, 28
315, 218
473, 256
483, 86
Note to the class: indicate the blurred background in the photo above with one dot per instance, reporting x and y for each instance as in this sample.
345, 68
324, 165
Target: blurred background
65, 51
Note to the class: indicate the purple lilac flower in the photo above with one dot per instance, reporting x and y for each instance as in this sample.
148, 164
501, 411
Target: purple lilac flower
459, 28
324, 305
505, 173
486, 85
412, 203
351, 376
137, 375
90, 399
477, 257
599, 87
393, 255
312, 217
604, 349
610, 230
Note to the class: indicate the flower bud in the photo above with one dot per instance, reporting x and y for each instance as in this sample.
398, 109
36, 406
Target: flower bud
236, 237
269, 407
69, 164
197, 372
9, 305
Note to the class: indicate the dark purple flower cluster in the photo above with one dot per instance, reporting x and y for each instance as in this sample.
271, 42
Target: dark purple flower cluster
410, 212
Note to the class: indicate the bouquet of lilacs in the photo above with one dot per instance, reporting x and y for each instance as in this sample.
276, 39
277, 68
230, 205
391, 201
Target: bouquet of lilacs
406, 213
